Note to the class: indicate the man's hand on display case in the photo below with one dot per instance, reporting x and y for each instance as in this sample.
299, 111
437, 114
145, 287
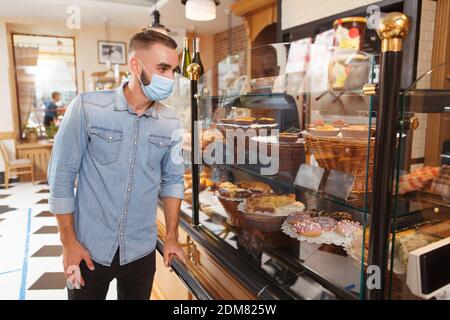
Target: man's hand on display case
171, 250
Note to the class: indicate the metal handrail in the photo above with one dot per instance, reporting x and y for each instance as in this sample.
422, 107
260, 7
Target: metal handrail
189, 280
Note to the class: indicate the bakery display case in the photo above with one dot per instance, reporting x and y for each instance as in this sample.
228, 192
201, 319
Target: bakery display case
309, 175
283, 167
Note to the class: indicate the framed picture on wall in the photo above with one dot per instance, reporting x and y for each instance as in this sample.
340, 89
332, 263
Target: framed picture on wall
114, 52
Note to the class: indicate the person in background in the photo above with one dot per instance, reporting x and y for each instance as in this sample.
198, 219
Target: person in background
124, 146
51, 109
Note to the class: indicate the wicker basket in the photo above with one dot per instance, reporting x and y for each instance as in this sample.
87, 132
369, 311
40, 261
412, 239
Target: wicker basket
345, 155
291, 155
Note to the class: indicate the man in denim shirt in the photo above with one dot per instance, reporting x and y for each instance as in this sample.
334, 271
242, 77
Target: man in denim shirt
124, 146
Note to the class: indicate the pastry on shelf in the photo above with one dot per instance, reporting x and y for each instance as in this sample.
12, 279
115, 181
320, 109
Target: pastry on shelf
274, 204
318, 122
204, 180
441, 229
256, 187
413, 242
308, 228
288, 137
206, 183
340, 215
355, 131
230, 190
347, 228
244, 121
210, 135
227, 121
298, 217
326, 223
266, 120
326, 130
340, 123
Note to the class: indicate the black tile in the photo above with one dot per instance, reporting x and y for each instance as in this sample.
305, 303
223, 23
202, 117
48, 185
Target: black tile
44, 214
47, 230
44, 191
42, 201
48, 251
50, 281
3, 196
4, 209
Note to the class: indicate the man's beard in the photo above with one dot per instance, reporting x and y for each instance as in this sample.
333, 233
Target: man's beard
144, 79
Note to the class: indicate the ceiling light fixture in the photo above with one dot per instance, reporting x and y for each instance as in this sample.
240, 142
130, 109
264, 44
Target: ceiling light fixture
200, 10
156, 25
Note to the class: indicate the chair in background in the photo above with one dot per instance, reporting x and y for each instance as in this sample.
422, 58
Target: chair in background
16, 167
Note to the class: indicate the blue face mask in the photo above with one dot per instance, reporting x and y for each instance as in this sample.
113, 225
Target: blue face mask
158, 89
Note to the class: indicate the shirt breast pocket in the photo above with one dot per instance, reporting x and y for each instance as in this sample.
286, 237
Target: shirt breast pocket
105, 144
157, 148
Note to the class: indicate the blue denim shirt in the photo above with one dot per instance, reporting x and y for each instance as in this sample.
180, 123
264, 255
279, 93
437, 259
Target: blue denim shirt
122, 161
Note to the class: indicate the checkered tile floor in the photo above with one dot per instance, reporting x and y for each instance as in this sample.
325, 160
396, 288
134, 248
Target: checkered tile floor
30, 250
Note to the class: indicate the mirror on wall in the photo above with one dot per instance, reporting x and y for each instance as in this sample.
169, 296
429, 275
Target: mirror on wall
45, 81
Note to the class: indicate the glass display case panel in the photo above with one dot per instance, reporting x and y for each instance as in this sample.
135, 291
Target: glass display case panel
420, 260
287, 141
180, 101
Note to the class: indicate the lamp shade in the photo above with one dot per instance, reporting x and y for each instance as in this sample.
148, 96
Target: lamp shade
200, 10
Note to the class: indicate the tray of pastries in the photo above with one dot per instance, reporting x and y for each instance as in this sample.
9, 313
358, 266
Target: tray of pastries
272, 205
268, 211
321, 227
248, 122
325, 130
230, 191
230, 195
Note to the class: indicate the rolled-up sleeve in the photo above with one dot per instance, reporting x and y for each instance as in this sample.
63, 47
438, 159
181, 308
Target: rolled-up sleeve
65, 161
172, 167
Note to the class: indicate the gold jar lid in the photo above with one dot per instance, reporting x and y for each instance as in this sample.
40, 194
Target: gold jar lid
350, 19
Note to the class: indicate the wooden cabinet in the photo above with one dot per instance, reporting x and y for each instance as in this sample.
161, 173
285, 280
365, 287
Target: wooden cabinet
39, 153
207, 270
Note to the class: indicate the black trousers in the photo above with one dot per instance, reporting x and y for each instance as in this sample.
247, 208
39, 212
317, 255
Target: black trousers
134, 280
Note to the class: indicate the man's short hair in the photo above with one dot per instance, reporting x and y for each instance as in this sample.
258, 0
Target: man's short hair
147, 38
55, 94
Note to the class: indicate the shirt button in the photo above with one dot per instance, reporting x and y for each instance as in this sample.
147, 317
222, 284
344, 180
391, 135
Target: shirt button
125, 212
110, 138
132, 166
129, 190
135, 142
121, 233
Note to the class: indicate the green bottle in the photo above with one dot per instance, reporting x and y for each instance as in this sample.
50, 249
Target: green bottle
186, 58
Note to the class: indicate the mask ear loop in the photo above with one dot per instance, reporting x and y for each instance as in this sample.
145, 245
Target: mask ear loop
143, 69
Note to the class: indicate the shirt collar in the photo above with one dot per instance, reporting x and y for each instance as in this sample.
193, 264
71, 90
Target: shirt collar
122, 105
